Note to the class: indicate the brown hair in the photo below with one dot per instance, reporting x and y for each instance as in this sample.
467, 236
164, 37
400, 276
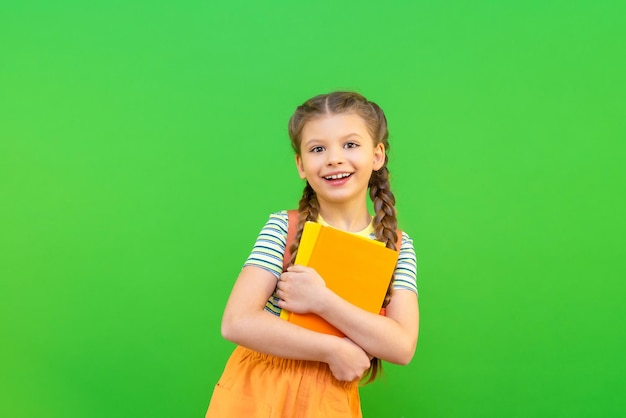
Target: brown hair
385, 222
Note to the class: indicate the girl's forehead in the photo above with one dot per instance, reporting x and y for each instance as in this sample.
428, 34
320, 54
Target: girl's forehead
334, 124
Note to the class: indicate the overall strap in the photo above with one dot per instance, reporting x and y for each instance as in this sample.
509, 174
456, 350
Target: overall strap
399, 241
292, 226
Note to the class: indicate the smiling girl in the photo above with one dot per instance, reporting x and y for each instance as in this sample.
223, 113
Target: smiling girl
279, 369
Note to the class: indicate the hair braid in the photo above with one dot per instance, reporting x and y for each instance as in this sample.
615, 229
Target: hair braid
385, 225
308, 210
385, 221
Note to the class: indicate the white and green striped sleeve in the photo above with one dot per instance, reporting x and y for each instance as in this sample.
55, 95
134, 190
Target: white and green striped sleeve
405, 275
269, 248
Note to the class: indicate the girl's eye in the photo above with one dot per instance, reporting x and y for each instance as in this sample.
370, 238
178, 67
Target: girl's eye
351, 145
317, 149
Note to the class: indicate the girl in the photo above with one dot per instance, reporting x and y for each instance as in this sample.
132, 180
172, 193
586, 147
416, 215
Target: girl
280, 369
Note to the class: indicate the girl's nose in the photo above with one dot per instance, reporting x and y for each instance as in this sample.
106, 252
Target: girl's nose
334, 156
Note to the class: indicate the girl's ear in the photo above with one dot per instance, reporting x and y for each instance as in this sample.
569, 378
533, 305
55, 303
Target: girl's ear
379, 156
300, 167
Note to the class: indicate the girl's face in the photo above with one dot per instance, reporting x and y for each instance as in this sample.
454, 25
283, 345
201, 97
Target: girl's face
337, 157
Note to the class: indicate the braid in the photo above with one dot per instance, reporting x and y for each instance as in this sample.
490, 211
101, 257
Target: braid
385, 224
385, 221
308, 210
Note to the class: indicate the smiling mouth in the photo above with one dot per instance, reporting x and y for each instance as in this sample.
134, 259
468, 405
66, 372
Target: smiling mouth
338, 176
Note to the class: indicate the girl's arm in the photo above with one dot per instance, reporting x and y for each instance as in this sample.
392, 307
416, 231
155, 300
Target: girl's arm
392, 338
245, 322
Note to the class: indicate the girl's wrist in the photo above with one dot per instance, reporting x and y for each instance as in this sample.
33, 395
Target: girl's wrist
331, 348
325, 302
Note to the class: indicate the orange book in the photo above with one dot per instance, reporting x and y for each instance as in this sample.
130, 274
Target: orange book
354, 267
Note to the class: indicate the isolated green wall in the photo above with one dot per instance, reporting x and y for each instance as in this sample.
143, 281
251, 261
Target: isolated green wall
143, 144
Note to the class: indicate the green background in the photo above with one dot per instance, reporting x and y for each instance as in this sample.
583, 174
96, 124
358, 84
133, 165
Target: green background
143, 145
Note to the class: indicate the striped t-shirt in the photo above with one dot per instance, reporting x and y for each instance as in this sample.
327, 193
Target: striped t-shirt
269, 249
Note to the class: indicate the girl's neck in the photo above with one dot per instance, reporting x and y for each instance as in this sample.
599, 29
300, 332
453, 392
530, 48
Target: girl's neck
351, 218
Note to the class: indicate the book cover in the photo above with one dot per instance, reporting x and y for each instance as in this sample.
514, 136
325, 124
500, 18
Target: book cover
354, 267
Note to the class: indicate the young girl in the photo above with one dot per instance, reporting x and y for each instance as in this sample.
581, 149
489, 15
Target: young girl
279, 369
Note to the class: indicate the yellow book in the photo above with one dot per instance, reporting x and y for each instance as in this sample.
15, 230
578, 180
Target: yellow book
356, 268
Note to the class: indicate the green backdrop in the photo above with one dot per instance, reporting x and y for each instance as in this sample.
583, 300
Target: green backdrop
143, 145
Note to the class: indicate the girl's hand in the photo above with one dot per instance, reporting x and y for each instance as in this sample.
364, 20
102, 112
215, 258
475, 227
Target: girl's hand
301, 290
348, 361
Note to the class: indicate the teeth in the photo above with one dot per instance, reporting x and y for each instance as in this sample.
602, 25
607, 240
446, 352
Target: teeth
337, 176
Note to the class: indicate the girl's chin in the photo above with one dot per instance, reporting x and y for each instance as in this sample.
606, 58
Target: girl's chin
339, 197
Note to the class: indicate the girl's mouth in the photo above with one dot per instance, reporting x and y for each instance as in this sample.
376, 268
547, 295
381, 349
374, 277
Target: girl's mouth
338, 176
